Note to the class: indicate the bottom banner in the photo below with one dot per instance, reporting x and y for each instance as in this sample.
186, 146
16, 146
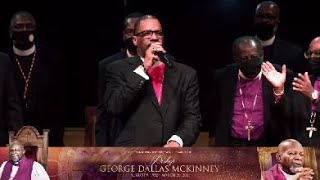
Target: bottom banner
164, 163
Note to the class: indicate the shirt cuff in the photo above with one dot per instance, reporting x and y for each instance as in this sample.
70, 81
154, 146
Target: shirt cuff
140, 71
278, 97
315, 97
176, 139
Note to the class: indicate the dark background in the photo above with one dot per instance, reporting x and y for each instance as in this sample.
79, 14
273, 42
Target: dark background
198, 33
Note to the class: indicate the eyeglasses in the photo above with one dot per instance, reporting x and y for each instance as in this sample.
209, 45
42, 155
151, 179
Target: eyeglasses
315, 53
148, 33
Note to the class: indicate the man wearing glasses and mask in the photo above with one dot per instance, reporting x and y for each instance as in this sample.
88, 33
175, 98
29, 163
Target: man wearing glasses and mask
248, 99
306, 99
39, 75
149, 102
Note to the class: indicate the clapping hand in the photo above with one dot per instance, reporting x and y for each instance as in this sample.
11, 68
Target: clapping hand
304, 173
303, 84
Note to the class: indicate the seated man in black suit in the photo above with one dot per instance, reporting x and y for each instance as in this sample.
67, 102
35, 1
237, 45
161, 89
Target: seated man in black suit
149, 102
266, 23
248, 99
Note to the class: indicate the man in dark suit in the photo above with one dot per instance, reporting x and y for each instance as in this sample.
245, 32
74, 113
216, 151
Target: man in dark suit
276, 50
306, 108
39, 75
150, 103
10, 107
128, 51
248, 99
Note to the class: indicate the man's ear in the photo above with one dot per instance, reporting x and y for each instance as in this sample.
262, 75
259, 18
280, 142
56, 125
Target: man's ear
278, 157
134, 40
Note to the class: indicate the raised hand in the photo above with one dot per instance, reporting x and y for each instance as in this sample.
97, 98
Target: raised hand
276, 78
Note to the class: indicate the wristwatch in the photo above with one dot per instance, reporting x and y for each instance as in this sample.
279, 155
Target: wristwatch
314, 95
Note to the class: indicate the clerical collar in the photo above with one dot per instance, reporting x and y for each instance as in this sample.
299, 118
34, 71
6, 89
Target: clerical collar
27, 52
244, 77
267, 42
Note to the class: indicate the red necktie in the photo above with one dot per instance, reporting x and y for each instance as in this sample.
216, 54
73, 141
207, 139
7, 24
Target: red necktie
157, 75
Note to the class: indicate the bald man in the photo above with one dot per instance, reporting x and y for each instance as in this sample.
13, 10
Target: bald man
289, 163
249, 110
305, 106
20, 167
276, 50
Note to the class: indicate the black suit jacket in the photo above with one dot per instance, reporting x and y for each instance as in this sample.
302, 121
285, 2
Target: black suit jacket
101, 113
10, 108
284, 52
102, 70
138, 120
224, 87
301, 111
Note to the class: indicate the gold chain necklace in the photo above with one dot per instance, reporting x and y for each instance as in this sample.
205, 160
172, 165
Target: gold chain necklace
249, 125
26, 78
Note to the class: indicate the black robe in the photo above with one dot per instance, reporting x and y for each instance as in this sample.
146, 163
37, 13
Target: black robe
45, 103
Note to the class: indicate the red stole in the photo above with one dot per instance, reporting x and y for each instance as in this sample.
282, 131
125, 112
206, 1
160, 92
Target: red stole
24, 171
157, 75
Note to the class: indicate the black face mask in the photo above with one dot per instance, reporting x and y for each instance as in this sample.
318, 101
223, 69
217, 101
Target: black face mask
252, 67
264, 31
23, 40
130, 46
314, 66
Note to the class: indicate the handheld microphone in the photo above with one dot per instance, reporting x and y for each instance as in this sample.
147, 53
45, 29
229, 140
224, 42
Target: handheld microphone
164, 58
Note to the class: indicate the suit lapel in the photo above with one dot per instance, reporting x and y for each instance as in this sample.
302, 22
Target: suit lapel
170, 83
152, 96
231, 90
267, 96
135, 62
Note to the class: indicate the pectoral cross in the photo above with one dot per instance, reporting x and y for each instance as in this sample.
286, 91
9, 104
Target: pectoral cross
312, 120
311, 129
249, 127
